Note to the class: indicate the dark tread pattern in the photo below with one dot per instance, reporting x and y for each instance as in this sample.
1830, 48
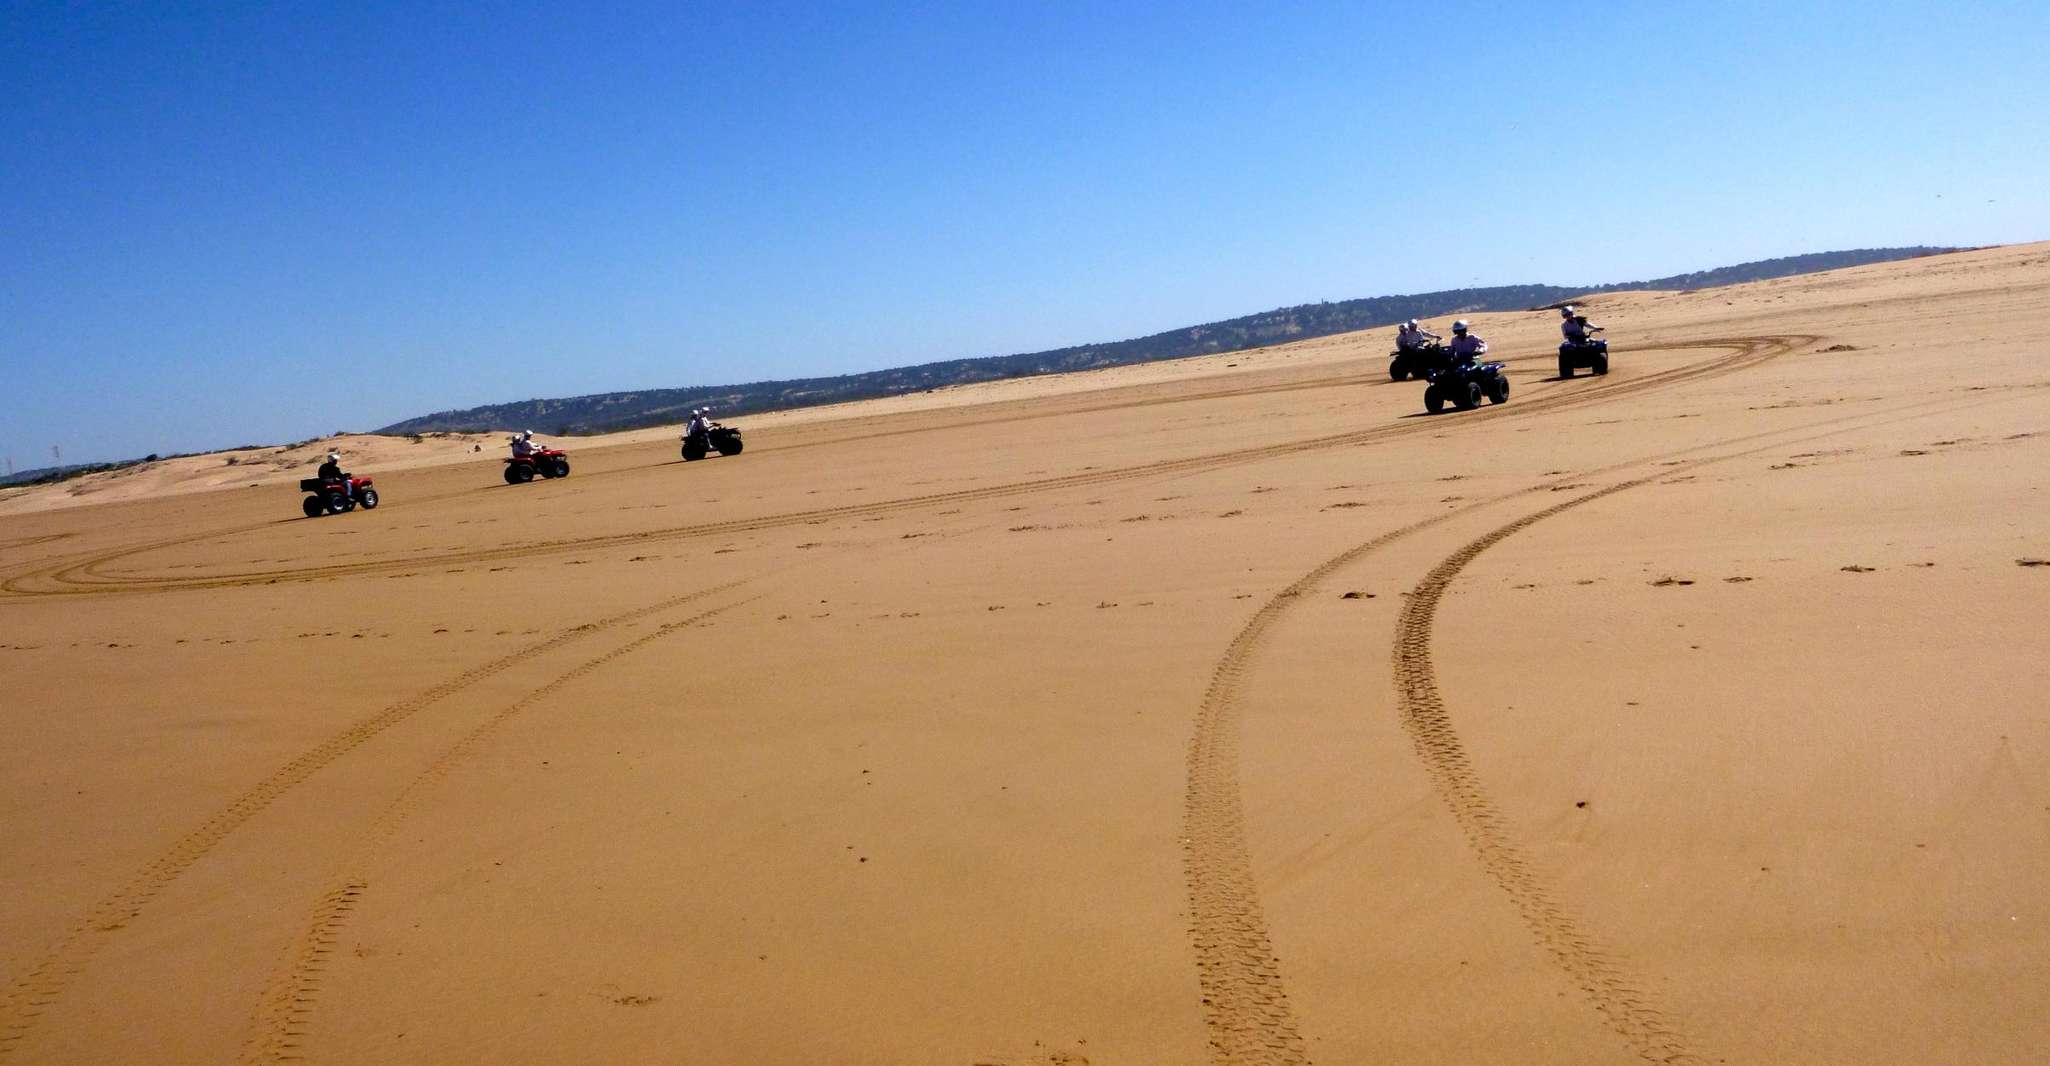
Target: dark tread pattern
1621, 999
1245, 1004
1245, 1007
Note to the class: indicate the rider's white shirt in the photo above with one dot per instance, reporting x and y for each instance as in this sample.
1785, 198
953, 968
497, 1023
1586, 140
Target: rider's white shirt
1468, 345
1413, 338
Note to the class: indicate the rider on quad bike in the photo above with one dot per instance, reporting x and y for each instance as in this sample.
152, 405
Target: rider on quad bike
1464, 380
331, 471
334, 490
531, 457
1581, 347
702, 436
1417, 352
1466, 347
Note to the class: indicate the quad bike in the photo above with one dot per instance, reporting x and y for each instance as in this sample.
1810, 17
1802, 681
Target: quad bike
1592, 353
715, 437
547, 462
1419, 363
333, 496
1463, 385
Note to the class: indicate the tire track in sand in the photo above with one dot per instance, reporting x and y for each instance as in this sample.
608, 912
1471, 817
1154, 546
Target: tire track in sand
45, 982
283, 1014
88, 576
1628, 1009
1245, 1006
1245, 1003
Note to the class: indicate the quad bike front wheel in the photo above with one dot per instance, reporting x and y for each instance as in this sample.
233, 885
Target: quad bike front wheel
731, 447
1601, 363
368, 499
562, 468
337, 503
1498, 390
1434, 399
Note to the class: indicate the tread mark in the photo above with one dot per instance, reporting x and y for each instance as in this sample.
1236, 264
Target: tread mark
286, 1009
1245, 1004
1613, 993
1245, 1007
48, 978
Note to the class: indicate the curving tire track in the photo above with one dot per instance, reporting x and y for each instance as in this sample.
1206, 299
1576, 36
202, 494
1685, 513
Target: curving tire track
1245, 1006
1621, 1000
1624, 1005
1245, 1002
286, 1008
89, 576
31, 994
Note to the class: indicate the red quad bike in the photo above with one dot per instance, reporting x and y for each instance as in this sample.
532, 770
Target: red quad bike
334, 497
547, 462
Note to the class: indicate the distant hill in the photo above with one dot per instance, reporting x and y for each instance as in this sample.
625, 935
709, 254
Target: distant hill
611, 411
50, 475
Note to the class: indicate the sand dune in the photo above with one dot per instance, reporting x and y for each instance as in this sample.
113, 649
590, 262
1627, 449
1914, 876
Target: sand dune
1195, 712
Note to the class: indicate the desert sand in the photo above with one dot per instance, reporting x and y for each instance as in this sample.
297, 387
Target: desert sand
1228, 710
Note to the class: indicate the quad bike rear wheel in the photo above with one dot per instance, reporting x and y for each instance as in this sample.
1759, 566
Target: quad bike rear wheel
693, 450
313, 507
512, 474
1396, 371
1467, 396
1565, 366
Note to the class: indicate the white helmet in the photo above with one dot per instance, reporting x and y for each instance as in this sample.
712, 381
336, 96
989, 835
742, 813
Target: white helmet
1566, 311
334, 457
1459, 326
1411, 324
526, 434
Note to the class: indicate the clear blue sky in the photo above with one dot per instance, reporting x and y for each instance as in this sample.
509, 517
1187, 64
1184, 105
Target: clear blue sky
231, 222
